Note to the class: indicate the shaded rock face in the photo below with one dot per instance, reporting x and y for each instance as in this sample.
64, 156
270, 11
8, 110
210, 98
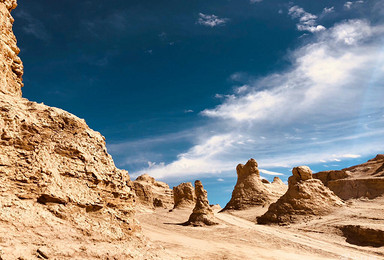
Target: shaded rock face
363, 236
251, 190
202, 214
184, 195
152, 193
58, 184
11, 67
305, 198
364, 180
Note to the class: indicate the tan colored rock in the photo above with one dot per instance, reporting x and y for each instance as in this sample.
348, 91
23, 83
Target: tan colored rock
278, 181
184, 195
202, 214
59, 188
364, 235
151, 193
363, 180
305, 198
251, 190
11, 67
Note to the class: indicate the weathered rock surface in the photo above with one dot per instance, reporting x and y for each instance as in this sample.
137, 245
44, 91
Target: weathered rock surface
184, 195
152, 193
202, 214
11, 67
364, 180
251, 190
364, 236
305, 198
59, 188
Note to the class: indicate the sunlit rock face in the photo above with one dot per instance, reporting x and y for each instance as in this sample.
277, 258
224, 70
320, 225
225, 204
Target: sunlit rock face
305, 198
11, 67
202, 214
250, 190
59, 187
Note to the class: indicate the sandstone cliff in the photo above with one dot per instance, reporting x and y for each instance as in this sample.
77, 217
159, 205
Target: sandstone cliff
60, 192
364, 180
184, 195
11, 67
306, 197
151, 193
251, 190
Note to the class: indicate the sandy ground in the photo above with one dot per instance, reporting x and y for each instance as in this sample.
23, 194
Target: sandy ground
237, 237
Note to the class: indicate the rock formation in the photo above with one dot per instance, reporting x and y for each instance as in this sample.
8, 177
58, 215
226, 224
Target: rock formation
305, 197
251, 190
364, 180
11, 67
184, 195
152, 193
202, 213
59, 188
364, 236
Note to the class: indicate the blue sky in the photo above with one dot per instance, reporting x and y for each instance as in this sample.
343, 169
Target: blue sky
186, 90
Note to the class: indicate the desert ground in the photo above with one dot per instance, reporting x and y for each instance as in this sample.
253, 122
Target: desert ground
239, 237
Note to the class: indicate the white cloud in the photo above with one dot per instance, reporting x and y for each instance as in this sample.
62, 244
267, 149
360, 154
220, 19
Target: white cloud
307, 21
255, 1
328, 10
270, 172
211, 20
326, 106
350, 4
220, 179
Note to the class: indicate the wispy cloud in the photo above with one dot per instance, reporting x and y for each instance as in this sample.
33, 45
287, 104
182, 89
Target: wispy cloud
211, 20
327, 105
350, 4
33, 26
307, 21
255, 1
270, 172
328, 10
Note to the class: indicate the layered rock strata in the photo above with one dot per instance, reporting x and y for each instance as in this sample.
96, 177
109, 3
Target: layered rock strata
364, 180
59, 187
152, 193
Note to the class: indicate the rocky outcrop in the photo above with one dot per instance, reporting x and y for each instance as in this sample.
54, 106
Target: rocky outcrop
11, 67
184, 195
152, 193
59, 187
306, 197
364, 180
251, 190
364, 236
202, 214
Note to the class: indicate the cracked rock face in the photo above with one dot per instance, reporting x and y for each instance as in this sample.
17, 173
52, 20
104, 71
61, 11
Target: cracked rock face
151, 193
11, 67
305, 198
184, 195
59, 188
202, 214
